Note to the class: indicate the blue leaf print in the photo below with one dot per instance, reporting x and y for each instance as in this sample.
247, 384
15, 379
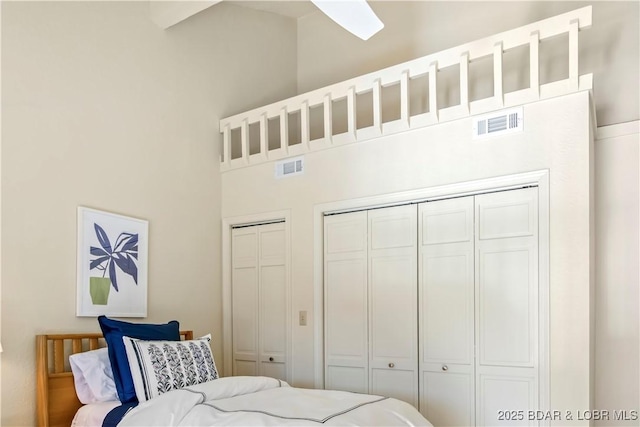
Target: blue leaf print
96, 262
206, 350
160, 368
131, 244
126, 264
97, 251
102, 238
112, 275
177, 372
200, 363
189, 367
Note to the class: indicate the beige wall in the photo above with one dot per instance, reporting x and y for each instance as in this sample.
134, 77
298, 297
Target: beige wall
617, 268
609, 49
439, 155
103, 109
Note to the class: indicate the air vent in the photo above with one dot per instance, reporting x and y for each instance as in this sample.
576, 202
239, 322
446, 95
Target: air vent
499, 123
290, 167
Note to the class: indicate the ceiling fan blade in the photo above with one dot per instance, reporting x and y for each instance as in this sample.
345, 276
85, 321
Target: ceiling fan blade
355, 16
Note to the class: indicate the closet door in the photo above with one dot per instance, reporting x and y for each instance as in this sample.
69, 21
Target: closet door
259, 300
244, 288
506, 304
345, 298
393, 303
446, 292
273, 300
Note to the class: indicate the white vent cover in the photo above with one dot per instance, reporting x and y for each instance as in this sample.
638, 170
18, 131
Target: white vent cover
290, 167
498, 123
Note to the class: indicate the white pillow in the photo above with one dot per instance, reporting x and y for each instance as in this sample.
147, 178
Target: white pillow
161, 366
93, 376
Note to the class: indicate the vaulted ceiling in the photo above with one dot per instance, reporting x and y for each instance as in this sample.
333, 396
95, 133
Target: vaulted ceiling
167, 14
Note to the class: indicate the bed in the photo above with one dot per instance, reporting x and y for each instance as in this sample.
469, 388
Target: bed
56, 399
224, 401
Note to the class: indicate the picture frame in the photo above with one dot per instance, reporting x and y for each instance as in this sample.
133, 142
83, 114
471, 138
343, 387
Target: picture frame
112, 264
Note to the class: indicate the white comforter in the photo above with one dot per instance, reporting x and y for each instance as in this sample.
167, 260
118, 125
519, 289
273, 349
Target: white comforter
251, 401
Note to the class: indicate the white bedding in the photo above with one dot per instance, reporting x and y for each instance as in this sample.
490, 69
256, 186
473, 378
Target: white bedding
92, 414
246, 401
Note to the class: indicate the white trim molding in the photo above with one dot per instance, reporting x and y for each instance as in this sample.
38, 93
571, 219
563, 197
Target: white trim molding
617, 130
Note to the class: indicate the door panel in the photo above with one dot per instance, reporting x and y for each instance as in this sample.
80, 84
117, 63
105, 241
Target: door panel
273, 310
259, 300
347, 378
507, 214
393, 301
396, 383
393, 295
447, 305
346, 310
507, 278
447, 397
503, 398
244, 291
446, 287
507, 305
345, 296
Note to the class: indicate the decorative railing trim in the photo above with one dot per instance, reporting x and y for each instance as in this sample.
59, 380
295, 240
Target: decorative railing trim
532, 34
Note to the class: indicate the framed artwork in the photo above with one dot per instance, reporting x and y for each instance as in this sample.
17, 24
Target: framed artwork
112, 264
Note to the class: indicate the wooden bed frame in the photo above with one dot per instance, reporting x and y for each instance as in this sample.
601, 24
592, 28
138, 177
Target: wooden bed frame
56, 399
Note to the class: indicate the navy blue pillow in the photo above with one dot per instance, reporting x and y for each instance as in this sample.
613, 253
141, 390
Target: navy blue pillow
113, 331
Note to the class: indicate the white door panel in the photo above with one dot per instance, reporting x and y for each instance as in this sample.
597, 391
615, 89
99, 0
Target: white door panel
507, 307
506, 399
393, 316
273, 370
347, 378
345, 296
447, 221
245, 309
273, 310
396, 383
446, 286
507, 304
507, 214
447, 397
259, 300
393, 301
389, 231
244, 367
345, 233
447, 305
346, 309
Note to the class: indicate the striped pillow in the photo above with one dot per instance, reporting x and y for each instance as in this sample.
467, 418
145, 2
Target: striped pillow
161, 366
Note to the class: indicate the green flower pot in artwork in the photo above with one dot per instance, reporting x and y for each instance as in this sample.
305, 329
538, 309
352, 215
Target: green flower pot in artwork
99, 289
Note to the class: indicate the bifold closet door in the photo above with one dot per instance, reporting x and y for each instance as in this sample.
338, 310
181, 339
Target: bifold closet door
506, 306
446, 289
393, 303
371, 314
259, 301
345, 297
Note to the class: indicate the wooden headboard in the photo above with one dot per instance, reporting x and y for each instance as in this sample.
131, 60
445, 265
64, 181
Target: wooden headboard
56, 399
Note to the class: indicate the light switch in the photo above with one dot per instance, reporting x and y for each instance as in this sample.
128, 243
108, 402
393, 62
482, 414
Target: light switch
303, 318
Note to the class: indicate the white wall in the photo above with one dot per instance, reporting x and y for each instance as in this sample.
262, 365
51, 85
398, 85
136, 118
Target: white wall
609, 49
102, 108
617, 187
441, 155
